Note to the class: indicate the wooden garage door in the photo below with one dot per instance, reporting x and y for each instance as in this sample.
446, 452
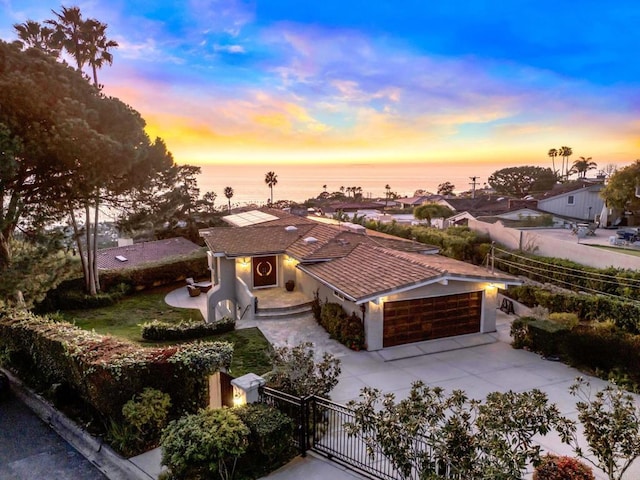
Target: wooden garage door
409, 321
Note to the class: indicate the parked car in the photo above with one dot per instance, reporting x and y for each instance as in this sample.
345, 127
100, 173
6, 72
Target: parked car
4, 386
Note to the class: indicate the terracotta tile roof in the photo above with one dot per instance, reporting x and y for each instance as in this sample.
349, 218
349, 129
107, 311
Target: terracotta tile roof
254, 240
144, 252
369, 271
331, 241
375, 271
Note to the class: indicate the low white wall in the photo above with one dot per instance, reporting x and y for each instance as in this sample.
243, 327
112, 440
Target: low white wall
545, 246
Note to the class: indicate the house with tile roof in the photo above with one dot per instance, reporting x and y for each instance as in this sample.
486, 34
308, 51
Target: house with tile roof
403, 290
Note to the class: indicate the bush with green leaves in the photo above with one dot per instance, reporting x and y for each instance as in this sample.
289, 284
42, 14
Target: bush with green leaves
346, 329
296, 371
270, 439
203, 445
553, 467
611, 422
143, 418
147, 413
490, 439
159, 331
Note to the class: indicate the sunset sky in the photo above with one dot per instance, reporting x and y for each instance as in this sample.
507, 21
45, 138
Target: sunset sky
415, 80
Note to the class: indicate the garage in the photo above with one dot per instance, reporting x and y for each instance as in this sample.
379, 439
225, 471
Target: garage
408, 321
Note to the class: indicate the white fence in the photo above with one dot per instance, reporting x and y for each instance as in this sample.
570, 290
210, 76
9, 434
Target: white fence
533, 241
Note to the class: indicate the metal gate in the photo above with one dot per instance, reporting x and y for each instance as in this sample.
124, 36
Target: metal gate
320, 427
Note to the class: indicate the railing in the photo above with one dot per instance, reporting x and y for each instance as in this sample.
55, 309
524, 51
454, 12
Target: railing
321, 428
295, 408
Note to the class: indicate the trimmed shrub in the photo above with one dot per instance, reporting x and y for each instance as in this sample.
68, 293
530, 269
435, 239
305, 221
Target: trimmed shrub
542, 336
161, 331
270, 439
587, 307
206, 444
553, 467
568, 320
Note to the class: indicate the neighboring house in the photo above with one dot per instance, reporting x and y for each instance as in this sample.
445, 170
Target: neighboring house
579, 200
409, 202
522, 215
403, 290
145, 252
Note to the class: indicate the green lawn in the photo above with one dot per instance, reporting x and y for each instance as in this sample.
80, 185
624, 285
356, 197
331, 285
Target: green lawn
251, 349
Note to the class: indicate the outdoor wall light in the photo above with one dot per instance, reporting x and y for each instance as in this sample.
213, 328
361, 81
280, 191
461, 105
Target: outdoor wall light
239, 397
244, 261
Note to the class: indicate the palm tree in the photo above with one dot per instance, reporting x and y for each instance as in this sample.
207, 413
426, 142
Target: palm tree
565, 153
85, 40
582, 165
324, 187
97, 46
271, 179
387, 187
69, 33
228, 192
34, 35
553, 153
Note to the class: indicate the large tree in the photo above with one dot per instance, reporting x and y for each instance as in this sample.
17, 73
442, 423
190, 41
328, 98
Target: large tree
73, 151
446, 188
522, 181
622, 187
427, 211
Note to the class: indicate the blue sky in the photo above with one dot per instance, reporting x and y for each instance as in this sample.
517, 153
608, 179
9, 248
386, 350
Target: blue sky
403, 81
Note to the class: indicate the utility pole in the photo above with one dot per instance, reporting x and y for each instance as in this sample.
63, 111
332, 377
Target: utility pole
474, 181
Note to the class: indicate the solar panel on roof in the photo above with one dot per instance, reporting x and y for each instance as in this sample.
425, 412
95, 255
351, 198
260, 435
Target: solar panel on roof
252, 217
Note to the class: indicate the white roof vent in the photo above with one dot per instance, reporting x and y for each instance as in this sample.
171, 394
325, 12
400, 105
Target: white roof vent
355, 228
310, 240
291, 228
121, 258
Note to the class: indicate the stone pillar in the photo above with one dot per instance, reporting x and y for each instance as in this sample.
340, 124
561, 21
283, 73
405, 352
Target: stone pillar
246, 388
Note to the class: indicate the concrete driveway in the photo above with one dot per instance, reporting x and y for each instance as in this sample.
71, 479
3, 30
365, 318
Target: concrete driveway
487, 364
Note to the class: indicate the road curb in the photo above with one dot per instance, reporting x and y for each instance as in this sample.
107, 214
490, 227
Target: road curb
112, 465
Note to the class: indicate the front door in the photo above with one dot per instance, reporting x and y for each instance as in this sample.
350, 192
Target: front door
265, 273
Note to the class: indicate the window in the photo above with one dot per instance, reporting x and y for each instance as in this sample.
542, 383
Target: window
571, 200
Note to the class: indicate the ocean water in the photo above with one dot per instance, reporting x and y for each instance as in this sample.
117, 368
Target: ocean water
304, 181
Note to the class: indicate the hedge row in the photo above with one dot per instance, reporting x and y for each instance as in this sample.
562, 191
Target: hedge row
106, 372
625, 315
160, 331
609, 352
460, 243
572, 275
69, 295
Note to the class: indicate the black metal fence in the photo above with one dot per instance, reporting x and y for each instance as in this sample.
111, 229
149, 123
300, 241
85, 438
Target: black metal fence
321, 428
